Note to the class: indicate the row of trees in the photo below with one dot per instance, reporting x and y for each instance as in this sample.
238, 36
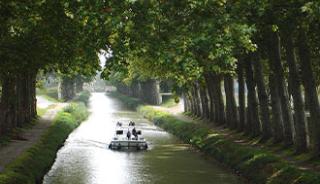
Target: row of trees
270, 47
62, 36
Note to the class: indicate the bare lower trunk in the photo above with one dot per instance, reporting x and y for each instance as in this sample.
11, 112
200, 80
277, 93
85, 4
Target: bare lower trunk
204, 101
209, 82
300, 120
252, 100
277, 122
9, 104
310, 91
242, 107
231, 107
67, 88
263, 98
219, 105
276, 67
151, 91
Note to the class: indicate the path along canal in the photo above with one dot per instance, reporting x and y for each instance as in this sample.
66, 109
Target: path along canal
85, 158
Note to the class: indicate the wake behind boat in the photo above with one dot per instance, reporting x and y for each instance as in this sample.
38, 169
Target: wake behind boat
128, 137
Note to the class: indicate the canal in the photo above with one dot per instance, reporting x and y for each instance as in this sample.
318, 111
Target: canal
85, 158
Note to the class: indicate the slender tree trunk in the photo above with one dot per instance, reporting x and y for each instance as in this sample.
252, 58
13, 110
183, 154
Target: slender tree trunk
209, 82
241, 95
252, 100
220, 111
300, 120
277, 122
196, 100
310, 91
263, 98
204, 101
185, 102
276, 67
231, 106
199, 99
33, 98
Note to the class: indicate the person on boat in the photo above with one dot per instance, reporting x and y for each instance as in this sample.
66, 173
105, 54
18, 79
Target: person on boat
135, 133
128, 134
131, 123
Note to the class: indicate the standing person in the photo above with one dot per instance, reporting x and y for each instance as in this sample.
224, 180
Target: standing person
134, 133
128, 134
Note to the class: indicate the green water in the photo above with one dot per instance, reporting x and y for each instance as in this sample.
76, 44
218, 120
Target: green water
85, 158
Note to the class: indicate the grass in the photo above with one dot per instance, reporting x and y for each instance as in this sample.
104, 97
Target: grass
131, 103
32, 165
170, 102
42, 111
50, 94
84, 97
258, 165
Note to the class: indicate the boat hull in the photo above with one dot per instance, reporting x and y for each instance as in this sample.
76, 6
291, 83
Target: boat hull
128, 144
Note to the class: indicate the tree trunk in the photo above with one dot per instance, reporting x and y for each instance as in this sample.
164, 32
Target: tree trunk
9, 106
220, 111
241, 96
204, 101
263, 98
310, 91
196, 101
252, 100
231, 106
79, 85
209, 82
276, 67
300, 120
151, 91
67, 88
277, 122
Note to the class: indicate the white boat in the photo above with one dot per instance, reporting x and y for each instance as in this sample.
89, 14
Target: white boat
121, 141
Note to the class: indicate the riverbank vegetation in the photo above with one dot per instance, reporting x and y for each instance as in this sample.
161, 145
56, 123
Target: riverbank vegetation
32, 165
256, 164
259, 166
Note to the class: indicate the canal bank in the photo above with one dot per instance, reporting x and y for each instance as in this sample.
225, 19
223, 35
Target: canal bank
31, 164
255, 164
86, 159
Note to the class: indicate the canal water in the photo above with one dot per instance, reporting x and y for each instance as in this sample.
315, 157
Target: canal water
85, 158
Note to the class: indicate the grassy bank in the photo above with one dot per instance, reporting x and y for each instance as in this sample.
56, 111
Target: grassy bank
257, 165
50, 94
32, 165
132, 103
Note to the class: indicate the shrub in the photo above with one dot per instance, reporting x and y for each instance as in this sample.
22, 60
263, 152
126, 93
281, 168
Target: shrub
83, 97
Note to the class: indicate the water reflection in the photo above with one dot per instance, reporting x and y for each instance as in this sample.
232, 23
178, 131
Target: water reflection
85, 158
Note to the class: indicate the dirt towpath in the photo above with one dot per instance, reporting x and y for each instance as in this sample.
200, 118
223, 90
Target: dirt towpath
30, 136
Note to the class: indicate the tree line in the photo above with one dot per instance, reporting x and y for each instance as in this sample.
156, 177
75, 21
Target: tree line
61, 36
269, 48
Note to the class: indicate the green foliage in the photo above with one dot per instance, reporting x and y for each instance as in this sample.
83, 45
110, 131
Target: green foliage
83, 97
31, 166
170, 102
50, 94
132, 103
78, 111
